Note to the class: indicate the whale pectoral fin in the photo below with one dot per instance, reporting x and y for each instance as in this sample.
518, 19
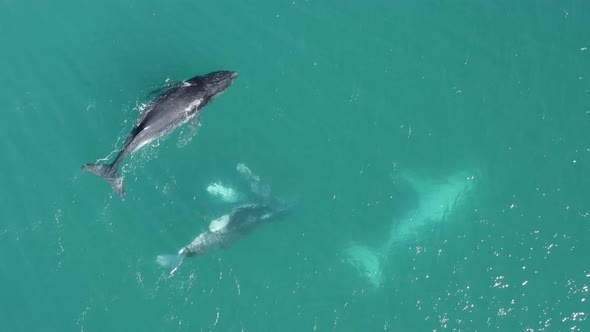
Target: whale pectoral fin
190, 130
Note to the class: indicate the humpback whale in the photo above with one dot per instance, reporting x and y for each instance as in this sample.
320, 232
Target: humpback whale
437, 198
170, 109
223, 231
232, 226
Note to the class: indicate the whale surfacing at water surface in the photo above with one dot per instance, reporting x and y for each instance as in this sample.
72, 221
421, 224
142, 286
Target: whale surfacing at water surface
175, 106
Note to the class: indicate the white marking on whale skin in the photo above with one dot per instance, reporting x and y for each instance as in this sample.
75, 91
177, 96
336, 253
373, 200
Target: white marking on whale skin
198, 242
145, 142
218, 225
193, 105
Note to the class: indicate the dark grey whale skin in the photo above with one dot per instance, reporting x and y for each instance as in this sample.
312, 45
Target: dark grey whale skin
242, 220
163, 114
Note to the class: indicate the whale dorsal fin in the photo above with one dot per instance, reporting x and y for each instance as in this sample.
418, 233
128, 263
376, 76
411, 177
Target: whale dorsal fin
153, 97
167, 86
219, 225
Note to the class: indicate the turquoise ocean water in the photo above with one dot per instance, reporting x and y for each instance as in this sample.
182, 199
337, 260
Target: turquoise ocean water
438, 154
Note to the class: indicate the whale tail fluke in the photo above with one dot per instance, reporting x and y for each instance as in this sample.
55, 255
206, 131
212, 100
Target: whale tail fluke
170, 261
109, 174
368, 261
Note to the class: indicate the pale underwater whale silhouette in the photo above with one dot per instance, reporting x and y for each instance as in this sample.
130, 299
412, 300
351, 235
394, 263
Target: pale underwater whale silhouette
436, 198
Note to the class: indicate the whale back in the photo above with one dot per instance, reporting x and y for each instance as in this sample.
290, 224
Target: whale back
219, 225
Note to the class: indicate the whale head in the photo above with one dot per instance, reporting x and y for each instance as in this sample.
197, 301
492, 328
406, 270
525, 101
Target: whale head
218, 81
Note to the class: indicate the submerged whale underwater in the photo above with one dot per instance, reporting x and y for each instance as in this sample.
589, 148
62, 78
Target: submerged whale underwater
222, 232
436, 199
173, 107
